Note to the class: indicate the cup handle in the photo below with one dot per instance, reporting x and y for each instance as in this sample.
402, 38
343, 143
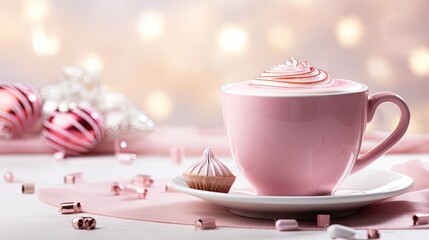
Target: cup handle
373, 102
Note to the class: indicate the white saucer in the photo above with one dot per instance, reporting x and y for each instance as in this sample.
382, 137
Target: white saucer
363, 188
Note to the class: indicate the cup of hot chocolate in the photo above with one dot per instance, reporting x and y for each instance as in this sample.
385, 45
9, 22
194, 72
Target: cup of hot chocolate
295, 131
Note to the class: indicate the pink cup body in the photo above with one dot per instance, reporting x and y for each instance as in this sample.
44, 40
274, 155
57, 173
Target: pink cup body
295, 145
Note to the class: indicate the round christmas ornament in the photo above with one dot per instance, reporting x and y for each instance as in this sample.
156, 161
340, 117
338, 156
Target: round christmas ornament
20, 109
73, 130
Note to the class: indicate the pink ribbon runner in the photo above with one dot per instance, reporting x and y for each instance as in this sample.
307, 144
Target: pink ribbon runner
178, 208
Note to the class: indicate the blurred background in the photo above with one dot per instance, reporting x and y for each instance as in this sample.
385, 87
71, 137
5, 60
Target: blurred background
172, 57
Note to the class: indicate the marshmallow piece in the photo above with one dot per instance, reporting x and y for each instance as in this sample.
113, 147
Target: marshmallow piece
286, 225
340, 231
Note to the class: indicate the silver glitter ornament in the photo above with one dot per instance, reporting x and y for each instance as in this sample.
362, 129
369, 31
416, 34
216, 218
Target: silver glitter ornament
77, 86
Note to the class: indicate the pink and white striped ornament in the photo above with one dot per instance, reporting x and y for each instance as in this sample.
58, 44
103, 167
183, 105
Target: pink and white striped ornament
73, 131
20, 109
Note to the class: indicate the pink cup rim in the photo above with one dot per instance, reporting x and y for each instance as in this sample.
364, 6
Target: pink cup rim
226, 88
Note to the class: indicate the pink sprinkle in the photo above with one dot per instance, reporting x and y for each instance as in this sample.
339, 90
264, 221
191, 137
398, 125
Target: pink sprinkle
8, 177
323, 220
81, 223
69, 179
205, 223
70, 207
143, 180
141, 193
126, 158
89, 223
168, 188
176, 155
59, 155
27, 188
72, 178
421, 218
116, 188
373, 233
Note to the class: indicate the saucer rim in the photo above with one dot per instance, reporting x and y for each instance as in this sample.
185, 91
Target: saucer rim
180, 185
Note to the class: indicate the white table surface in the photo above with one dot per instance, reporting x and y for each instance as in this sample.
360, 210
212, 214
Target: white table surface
25, 217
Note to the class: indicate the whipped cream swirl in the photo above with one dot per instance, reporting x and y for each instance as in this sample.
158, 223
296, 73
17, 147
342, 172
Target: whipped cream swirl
208, 165
293, 74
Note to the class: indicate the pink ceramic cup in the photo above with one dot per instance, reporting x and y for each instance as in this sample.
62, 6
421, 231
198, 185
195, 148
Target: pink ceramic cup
303, 144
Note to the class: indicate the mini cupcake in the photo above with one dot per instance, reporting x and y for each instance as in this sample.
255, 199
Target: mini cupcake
209, 174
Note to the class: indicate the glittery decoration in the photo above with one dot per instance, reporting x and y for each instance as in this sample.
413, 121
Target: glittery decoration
121, 116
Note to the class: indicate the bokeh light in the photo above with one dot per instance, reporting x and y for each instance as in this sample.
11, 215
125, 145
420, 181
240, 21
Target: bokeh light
123, 144
419, 61
35, 11
44, 45
280, 37
158, 105
150, 25
379, 69
302, 3
349, 31
92, 63
231, 39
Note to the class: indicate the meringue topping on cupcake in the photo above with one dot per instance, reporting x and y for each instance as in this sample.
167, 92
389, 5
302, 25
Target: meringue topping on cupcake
209, 174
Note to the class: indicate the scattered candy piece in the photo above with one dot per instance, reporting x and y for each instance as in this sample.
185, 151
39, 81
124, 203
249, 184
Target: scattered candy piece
176, 155
27, 188
71, 178
8, 177
126, 158
205, 223
340, 231
141, 193
116, 188
77, 223
373, 234
87, 223
421, 218
323, 220
286, 225
168, 188
59, 155
70, 207
143, 180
